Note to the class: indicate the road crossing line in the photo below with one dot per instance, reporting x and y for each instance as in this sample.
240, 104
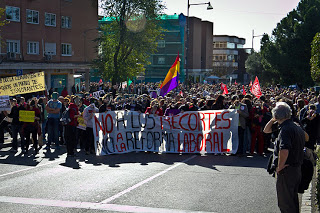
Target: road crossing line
88, 205
146, 180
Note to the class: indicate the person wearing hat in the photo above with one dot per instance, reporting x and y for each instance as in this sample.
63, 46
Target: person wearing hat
53, 108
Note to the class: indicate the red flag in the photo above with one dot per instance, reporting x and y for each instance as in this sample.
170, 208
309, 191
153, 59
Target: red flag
222, 86
235, 82
255, 89
243, 90
225, 90
100, 82
181, 93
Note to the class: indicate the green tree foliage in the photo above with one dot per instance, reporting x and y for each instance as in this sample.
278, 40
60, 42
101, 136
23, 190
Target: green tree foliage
128, 38
315, 58
254, 66
287, 52
2, 21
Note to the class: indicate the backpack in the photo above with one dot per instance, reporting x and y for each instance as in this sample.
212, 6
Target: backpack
65, 118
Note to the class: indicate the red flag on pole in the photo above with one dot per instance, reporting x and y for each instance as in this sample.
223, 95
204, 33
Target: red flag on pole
235, 82
181, 93
222, 85
243, 90
225, 90
255, 89
100, 82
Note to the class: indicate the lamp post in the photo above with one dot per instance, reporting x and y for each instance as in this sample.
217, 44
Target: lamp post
188, 30
253, 36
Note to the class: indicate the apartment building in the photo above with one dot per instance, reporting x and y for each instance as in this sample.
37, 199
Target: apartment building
229, 58
54, 36
168, 49
200, 49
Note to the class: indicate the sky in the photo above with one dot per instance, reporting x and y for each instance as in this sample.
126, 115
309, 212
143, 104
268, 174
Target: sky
237, 17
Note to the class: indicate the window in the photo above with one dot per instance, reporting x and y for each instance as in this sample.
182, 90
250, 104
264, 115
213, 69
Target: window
239, 46
50, 19
161, 44
32, 17
13, 13
231, 45
66, 22
33, 48
50, 48
161, 60
66, 50
13, 46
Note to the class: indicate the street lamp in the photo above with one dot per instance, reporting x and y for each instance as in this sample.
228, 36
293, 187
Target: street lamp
187, 43
253, 36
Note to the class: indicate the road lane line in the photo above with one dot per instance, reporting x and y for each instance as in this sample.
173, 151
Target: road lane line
26, 169
88, 205
146, 181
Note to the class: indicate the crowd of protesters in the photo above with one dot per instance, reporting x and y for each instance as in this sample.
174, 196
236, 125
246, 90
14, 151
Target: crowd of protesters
254, 113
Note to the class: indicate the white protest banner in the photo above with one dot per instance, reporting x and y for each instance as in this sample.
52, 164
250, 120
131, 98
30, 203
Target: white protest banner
22, 84
5, 103
214, 131
98, 93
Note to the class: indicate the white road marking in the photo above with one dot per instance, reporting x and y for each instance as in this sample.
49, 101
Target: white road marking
34, 167
88, 205
146, 180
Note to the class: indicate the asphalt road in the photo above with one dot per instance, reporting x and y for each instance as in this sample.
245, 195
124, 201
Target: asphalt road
134, 182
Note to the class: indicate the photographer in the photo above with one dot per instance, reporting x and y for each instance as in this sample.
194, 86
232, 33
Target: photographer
310, 123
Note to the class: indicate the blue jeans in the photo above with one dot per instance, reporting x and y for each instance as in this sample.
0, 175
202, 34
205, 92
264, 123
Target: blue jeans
16, 128
53, 131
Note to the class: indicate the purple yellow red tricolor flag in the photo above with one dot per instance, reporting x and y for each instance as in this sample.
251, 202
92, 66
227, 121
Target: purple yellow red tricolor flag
172, 78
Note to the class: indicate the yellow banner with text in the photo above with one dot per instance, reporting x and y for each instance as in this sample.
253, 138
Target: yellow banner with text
22, 84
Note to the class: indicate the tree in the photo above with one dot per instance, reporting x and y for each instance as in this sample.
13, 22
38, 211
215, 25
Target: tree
287, 52
128, 38
254, 66
315, 58
2, 22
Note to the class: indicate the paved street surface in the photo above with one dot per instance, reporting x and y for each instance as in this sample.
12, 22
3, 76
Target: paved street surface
134, 182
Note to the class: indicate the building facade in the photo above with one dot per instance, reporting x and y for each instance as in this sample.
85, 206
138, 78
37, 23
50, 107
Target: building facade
199, 56
54, 36
229, 58
200, 46
168, 49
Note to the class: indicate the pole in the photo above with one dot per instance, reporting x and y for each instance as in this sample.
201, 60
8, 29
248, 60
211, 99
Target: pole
187, 48
252, 39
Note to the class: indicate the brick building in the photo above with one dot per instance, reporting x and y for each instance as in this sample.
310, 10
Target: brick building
55, 36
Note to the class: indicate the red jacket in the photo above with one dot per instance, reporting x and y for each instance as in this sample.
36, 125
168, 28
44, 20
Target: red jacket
73, 110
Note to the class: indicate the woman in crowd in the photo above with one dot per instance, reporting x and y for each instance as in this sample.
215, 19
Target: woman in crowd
31, 128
